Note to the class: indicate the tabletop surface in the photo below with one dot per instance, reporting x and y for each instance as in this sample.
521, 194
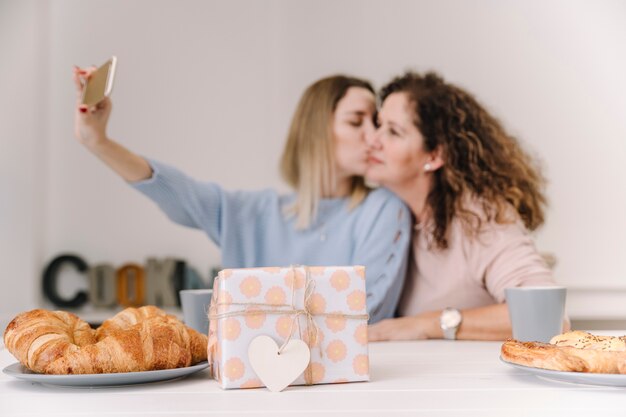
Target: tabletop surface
422, 378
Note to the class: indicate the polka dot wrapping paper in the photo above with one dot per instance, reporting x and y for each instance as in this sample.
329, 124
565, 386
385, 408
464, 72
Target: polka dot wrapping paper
323, 306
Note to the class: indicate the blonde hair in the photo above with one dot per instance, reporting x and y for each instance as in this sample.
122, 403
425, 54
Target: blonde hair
308, 160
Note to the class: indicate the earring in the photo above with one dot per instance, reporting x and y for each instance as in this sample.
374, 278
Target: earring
427, 167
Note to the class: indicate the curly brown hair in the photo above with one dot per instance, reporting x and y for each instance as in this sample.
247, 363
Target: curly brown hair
480, 158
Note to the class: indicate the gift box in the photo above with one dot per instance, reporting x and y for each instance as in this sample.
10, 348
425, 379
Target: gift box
323, 306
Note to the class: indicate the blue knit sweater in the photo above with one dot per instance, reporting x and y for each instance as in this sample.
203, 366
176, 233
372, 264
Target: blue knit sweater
252, 230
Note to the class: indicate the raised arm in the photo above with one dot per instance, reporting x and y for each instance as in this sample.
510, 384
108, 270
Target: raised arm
183, 199
90, 124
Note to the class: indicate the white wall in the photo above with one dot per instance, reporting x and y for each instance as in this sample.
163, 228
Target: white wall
23, 145
210, 87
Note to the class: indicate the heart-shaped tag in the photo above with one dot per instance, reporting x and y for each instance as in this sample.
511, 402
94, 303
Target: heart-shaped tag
276, 370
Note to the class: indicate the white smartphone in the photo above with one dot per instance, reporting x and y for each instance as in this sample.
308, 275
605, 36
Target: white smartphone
100, 84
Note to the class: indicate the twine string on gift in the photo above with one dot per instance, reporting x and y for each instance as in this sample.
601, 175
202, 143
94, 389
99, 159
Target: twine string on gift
309, 290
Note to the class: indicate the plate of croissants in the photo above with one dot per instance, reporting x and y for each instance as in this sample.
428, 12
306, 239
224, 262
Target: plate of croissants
576, 356
136, 346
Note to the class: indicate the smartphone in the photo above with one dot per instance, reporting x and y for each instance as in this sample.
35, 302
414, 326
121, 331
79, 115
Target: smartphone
100, 84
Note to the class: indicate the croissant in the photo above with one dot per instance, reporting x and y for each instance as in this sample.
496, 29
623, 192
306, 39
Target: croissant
128, 318
154, 343
192, 340
39, 337
133, 340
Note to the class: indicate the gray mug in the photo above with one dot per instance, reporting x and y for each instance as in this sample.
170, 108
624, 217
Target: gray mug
195, 304
536, 313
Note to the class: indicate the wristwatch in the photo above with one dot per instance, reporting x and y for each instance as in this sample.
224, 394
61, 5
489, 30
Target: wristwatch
450, 320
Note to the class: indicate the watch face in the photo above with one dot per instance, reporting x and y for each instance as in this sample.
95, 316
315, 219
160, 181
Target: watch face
450, 318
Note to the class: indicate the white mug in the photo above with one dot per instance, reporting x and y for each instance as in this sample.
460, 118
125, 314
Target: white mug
195, 304
536, 313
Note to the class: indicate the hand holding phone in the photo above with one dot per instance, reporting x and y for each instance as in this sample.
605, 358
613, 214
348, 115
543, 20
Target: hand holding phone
91, 115
93, 86
100, 84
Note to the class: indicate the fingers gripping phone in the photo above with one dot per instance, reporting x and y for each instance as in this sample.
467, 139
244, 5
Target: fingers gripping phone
100, 84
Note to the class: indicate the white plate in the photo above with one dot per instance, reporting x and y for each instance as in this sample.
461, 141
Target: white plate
615, 380
102, 380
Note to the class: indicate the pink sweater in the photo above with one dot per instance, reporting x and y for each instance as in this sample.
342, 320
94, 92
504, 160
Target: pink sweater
472, 272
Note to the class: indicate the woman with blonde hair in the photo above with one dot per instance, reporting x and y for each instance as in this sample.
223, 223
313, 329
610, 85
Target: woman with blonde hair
474, 194
333, 218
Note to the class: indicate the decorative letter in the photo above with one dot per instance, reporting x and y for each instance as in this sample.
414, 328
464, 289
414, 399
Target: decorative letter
50, 280
102, 285
193, 281
179, 279
159, 282
130, 285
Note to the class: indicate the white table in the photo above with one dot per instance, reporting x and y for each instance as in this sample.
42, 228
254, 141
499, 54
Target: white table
426, 378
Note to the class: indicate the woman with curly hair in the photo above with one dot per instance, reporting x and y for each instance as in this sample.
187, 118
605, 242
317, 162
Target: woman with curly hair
474, 195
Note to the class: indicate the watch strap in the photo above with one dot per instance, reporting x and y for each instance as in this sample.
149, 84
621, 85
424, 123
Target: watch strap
450, 333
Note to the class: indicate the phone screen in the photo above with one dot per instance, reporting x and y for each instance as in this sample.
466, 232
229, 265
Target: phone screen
100, 83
